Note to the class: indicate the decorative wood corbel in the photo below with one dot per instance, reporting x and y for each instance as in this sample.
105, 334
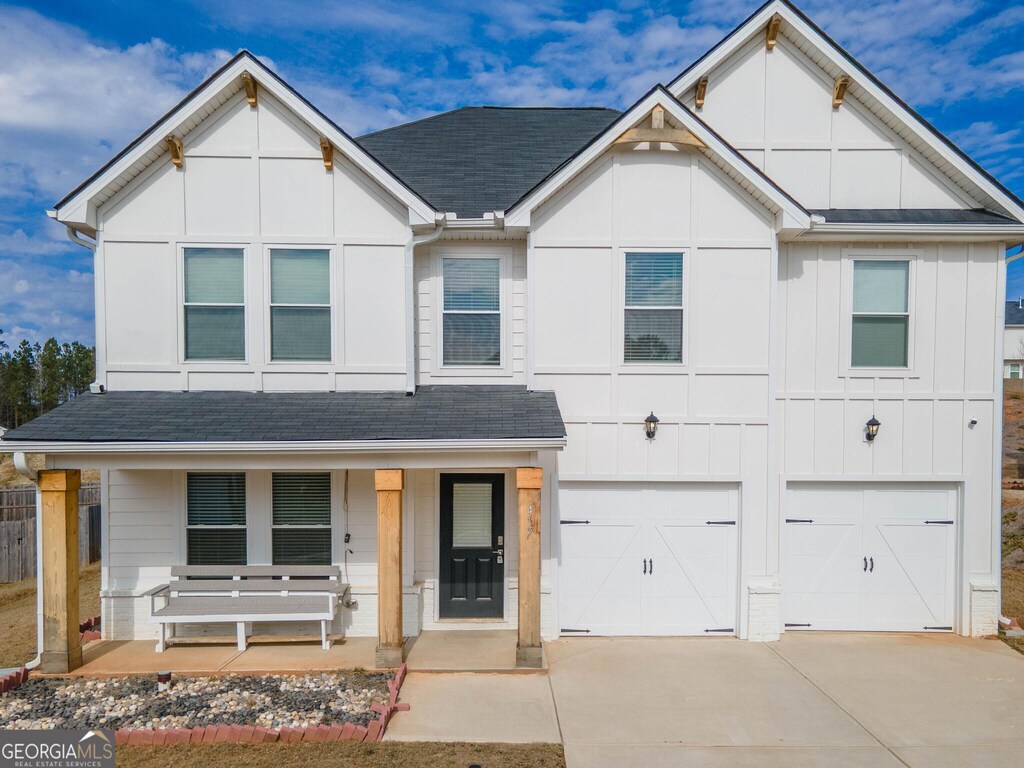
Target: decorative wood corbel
839, 91
177, 150
772, 35
327, 150
250, 88
702, 92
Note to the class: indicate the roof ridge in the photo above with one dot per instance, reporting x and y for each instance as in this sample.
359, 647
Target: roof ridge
483, 106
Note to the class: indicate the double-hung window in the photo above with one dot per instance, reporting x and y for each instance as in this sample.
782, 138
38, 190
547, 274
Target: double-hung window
302, 518
471, 311
300, 304
880, 336
215, 518
1015, 369
214, 304
653, 323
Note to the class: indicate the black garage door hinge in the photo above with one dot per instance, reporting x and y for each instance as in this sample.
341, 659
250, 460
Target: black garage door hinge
574, 522
797, 520
584, 631
720, 522
796, 625
728, 629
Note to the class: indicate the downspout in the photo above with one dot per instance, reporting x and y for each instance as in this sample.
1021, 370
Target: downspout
75, 237
410, 303
23, 468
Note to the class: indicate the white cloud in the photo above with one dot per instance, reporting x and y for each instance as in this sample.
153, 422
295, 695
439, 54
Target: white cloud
21, 286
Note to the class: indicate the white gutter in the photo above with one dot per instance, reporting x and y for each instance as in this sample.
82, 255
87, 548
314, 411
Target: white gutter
913, 230
287, 446
410, 302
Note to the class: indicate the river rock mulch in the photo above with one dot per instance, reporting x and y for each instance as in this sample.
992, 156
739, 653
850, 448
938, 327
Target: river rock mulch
268, 701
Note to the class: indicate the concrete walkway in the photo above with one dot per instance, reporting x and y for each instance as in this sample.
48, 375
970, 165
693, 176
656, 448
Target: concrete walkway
809, 700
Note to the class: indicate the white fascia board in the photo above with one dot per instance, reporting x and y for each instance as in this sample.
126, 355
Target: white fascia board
755, 25
518, 216
75, 209
285, 446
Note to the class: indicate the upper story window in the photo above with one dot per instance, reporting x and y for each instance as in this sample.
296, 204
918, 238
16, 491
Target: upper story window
215, 519
301, 518
653, 327
1015, 370
214, 304
881, 314
300, 304
471, 311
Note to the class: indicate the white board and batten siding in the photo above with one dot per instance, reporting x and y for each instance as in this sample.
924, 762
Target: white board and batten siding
776, 108
252, 178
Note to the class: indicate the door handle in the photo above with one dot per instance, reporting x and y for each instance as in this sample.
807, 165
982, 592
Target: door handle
872, 568
498, 552
645, 566
865, 565
652, 566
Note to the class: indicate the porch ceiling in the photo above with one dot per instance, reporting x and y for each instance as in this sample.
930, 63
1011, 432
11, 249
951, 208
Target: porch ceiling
447, 416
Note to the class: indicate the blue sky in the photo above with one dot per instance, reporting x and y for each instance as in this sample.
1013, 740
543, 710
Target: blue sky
79, 79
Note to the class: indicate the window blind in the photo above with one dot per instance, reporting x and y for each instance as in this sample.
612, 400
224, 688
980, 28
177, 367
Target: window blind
213, 276
215, 519
300, 298
301, 514
471, 324
881, 319
214, 309
300, 276
653, 322
300, 333
471, 285
215, 333
880, 286
471, 515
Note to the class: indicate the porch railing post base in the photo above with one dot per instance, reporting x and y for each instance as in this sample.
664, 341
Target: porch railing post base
389, 658
530, 657
60, 662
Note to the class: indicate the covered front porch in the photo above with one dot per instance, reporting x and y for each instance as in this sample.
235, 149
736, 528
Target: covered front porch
442, 548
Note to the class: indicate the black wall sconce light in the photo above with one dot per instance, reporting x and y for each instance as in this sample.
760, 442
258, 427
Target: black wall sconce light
651, 426
872, 428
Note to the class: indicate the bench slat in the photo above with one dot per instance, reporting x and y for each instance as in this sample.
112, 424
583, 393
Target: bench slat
256, 585
256, 571
250, 607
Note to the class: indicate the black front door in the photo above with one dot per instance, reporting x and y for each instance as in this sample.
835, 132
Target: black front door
472, 546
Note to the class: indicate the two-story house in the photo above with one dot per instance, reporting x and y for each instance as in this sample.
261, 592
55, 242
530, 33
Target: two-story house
727, 363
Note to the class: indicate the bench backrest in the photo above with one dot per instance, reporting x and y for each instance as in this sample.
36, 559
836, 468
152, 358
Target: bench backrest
241, 579
255, 572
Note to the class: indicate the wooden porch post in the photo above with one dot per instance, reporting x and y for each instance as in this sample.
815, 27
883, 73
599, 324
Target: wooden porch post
62, 650
389, 484
529, 481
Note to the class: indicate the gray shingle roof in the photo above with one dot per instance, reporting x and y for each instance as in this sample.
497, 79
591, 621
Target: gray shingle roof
480, 159
1015, 312
433, 413
910, 216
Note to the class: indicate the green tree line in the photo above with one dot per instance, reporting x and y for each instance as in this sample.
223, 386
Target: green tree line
36, 378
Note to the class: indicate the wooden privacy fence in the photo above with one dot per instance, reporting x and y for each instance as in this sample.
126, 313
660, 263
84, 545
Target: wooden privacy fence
18, 529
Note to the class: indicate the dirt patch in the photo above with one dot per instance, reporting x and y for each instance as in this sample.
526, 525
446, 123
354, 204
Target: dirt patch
18, 614
389, 754
9, 475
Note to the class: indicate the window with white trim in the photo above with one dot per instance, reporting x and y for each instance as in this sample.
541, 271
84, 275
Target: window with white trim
301, 518
880, 336
471, 311
214, 304
300, 304
1015, 369
653, 321
215, 526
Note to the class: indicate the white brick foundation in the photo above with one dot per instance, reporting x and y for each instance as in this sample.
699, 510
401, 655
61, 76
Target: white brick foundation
764, 614
985, 609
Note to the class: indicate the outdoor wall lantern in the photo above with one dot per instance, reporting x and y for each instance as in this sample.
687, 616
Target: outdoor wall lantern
872, 426
651, 426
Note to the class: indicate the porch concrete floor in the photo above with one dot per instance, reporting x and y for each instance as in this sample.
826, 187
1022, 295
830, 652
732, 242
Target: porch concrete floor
462, 651
818, 699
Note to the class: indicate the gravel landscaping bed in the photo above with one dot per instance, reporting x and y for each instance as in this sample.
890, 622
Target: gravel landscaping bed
270, 701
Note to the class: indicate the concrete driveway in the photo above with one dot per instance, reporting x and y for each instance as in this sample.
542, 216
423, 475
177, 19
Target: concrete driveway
809, 700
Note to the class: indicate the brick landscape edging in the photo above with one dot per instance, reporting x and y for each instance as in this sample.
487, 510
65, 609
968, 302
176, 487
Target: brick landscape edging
13, 680
251, 734
88, 630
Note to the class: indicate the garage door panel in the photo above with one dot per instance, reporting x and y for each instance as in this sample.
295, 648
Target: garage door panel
822, 580
588, 502
698, 503
840, 503
600, 578
904, 503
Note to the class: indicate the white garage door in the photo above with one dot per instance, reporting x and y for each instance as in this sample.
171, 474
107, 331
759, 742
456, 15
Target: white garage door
869, 557
647, 559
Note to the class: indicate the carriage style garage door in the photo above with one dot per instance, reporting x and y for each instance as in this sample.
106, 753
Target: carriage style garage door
869, 557
648, 559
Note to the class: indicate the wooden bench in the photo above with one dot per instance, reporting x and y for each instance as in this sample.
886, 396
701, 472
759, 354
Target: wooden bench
242, 594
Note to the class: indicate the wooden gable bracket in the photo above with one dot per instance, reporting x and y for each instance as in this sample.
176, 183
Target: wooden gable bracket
839, 91
250, 88
177, 150
702, 92
327, 150
772, 35
660, 133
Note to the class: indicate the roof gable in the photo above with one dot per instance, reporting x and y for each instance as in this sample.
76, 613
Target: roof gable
79, 206
940, 152
714, 147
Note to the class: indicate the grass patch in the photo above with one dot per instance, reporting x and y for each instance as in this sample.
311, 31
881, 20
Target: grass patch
388, 754
18, 614
1013, 602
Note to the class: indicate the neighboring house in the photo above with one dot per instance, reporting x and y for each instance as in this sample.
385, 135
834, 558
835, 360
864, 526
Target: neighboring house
774, 255
1013, 340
